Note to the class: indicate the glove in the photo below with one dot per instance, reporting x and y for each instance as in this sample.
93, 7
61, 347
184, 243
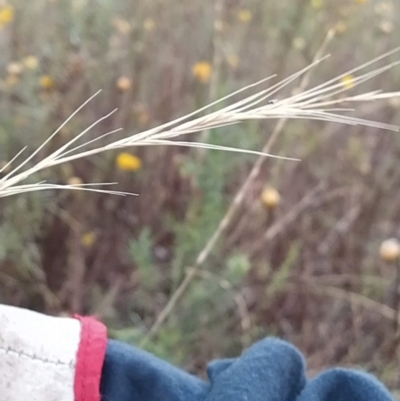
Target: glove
270, 370
70, 359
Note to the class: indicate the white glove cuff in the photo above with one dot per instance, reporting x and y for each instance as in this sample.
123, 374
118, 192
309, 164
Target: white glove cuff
49, 358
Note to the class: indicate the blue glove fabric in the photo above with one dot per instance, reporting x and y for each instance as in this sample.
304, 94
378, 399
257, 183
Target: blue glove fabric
270, 370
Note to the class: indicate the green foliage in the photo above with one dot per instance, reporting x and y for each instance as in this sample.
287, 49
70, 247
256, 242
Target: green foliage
209, 202
140, 251
238, 265
281, 276
169, 347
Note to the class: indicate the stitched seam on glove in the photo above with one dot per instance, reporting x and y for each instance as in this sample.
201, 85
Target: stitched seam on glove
9, 350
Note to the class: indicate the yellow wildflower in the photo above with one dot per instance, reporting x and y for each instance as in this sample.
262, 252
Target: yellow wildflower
124, 84
78, 5
394, 102
384, 8
389, 250
346, 10
299, 43
270, 197
316, 4
75, 181
341, 26
46, 82
348, 81
360, 1
127, 162
244, 15
6, 14
202, 71
219, 25
14, 68
11, 80
233, 60
21, 121
386, 26
122, 26
142, 114
143, 118
30, 62
148, 24
88, 239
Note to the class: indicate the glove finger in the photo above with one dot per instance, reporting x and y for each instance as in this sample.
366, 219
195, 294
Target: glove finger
344, 385
215, 368
270, 370
130, 374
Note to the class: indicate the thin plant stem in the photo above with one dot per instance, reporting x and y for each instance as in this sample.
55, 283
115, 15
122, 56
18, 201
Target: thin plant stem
216, 65
231, 212
396, 303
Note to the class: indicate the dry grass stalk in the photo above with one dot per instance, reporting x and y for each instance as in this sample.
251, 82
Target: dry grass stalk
318, 103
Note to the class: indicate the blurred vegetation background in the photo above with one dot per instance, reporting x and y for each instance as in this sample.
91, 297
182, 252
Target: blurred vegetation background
300, 257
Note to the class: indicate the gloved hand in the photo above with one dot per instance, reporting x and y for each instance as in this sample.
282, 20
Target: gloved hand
270, 370
70, 359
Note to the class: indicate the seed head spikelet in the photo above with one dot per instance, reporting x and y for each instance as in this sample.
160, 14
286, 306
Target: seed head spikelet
323, 102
